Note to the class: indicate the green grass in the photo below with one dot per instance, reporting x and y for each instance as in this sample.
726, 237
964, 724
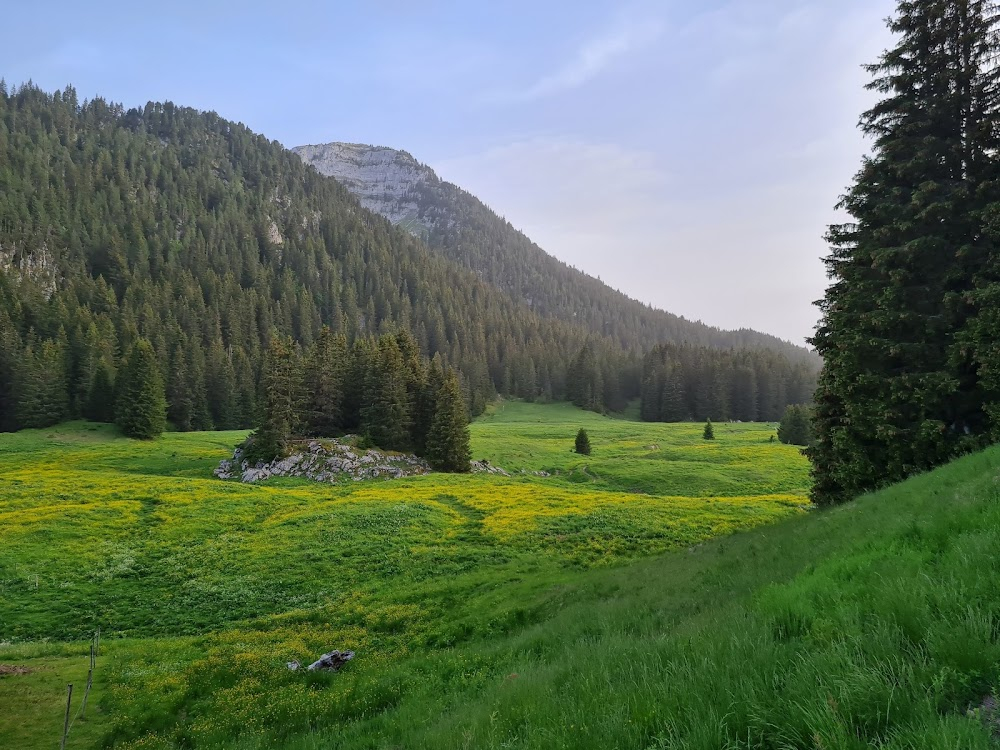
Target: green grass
526, 612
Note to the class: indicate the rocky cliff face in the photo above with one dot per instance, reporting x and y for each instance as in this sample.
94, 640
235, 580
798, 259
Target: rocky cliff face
389, 182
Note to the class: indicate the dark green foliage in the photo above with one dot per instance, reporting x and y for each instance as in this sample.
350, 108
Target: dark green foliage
101, 399
684, 382
179, 402
582, 443
385, 408
709, 432
140, 404
325, 374
282, 400
584, 382
41, 398
796, 426
448, 439
907, 354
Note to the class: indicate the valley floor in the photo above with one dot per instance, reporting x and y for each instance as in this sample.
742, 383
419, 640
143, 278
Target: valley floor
494, 612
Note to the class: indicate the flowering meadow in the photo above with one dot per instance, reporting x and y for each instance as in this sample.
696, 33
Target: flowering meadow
204, 589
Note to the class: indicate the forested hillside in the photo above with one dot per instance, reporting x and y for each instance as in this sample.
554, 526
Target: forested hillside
207, 239
461, 227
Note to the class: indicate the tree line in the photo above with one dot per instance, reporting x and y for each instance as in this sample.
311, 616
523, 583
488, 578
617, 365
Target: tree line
380, 388
683, 383
207, 240
911, 319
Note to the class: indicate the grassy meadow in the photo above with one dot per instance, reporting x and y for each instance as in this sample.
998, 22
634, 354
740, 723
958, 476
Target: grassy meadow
606, 606
203, 589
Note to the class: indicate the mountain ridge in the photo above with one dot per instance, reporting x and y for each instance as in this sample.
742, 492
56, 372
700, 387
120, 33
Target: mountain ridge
457, 224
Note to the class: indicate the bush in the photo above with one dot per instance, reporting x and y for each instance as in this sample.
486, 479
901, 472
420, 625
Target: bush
583, 442
709, 433
796, 426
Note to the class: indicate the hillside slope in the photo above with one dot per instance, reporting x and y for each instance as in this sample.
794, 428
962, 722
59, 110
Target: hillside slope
206, 238
870, 626
465, 230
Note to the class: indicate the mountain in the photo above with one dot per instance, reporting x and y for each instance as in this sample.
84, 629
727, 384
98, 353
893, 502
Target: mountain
207, 239
459, 226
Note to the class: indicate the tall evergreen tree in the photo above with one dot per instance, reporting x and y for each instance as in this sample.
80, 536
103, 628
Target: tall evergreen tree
282, 400
448, 439
326, 368
385, 415
896, 394
42, 398
179, 401
141, 406
101, 399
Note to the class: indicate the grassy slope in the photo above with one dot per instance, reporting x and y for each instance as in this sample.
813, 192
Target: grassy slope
214, 585
872, 625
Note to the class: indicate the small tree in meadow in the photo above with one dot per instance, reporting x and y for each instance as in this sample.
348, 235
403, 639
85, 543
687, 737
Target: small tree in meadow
796, 427
583, 442
709, 433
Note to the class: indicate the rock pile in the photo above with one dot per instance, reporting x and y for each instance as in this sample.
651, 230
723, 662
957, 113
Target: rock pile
485, 467
331, 662
330, 461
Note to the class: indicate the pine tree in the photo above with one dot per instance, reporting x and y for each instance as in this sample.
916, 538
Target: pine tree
101, 399
897, 394
709, 432
582, 443
42, 396
325, 369
385, 416
795, 426
179, 402
672, 407
141, 407
282, 400
448, 439
427, 405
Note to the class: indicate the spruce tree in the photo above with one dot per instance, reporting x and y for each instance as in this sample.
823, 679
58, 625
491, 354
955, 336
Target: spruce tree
385, 416
101, 399
709, 431
582, 445
325, 370
448, 439
892, 395
795, 426
141, 406
179, 402
282, 400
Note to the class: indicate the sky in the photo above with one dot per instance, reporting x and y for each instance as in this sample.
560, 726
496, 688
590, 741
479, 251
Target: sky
688, 152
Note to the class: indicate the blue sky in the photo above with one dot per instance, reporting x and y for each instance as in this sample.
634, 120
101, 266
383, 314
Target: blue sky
689, 153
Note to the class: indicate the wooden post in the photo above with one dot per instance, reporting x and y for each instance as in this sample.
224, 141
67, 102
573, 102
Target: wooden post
90, 681
69, 698
86, 694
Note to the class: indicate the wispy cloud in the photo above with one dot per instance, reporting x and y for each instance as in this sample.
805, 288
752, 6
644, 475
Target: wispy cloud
590, 60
